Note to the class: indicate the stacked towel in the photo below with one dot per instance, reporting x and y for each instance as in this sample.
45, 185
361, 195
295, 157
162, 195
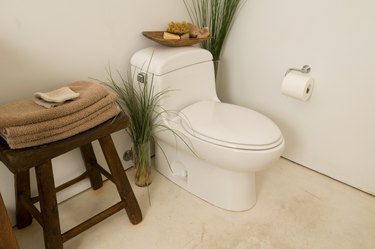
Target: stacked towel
25, 123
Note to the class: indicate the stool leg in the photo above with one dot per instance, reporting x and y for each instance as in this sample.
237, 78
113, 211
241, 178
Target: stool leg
7, 238
89, 158
48, 206
22, 187
121, 180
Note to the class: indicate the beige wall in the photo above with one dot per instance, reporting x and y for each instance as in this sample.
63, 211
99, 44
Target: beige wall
47, 43
334, 132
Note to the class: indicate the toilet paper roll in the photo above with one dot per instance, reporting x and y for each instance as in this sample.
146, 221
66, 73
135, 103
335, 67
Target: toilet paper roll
297, 86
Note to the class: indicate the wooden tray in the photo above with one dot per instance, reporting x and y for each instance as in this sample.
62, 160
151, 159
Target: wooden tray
157, 36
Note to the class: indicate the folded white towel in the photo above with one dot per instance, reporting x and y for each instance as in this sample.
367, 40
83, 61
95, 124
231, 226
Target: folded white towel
55, 97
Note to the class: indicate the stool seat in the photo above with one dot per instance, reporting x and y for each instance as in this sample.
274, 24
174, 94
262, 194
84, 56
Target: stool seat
20, 161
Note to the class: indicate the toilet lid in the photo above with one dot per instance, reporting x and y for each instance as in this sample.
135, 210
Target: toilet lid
230, 125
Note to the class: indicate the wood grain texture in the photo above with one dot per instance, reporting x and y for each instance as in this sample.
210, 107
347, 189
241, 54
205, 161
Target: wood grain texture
7, 238
20, 161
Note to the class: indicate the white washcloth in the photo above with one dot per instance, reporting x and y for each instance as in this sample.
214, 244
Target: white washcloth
55, 97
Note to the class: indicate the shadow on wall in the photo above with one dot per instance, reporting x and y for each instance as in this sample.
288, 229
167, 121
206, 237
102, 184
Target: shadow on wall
223, 88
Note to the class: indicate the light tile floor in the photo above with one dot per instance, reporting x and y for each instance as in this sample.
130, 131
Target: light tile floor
296, 208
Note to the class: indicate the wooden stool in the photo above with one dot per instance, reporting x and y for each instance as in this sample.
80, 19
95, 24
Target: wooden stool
7, 238
20, 161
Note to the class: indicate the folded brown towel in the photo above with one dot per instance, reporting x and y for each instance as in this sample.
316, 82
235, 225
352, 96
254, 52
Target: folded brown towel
96, 120
59, 122
28, 112
43, 133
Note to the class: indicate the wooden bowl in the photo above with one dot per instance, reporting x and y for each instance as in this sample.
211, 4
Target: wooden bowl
157, 36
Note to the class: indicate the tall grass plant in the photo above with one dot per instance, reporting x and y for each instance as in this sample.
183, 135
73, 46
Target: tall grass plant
141, 102
218, 16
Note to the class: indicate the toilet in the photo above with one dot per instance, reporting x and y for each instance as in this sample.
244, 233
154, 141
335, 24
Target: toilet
215, 148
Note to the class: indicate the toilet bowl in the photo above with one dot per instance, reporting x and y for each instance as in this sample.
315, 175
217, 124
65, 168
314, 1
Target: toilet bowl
215, 148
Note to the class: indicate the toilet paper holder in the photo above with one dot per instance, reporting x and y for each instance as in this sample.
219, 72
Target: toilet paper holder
304, 69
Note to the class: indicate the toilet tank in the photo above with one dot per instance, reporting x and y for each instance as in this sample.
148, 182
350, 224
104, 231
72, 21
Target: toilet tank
186, 72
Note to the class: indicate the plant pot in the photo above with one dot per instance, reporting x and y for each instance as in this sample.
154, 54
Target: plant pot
142, 164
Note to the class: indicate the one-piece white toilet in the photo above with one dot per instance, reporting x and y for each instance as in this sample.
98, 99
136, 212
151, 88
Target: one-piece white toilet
217, 147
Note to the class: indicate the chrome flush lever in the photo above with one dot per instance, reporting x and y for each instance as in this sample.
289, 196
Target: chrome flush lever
142, 78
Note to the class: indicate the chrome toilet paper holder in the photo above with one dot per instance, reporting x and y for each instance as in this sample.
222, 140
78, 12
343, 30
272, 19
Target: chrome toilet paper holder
304, 69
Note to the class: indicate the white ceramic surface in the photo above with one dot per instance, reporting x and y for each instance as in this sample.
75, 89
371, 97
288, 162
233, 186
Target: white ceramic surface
227, 144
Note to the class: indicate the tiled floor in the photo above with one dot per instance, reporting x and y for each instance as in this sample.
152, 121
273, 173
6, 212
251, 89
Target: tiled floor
296, 208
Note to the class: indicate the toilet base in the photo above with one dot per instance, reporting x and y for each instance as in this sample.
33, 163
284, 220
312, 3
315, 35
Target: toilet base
230, 190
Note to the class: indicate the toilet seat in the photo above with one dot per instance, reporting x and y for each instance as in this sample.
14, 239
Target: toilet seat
230, 126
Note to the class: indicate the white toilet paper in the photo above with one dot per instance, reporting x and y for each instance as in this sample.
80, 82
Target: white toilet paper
297, 86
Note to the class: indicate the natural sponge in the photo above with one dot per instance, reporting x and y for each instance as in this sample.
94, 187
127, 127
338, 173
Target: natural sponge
179, 28
196, 32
